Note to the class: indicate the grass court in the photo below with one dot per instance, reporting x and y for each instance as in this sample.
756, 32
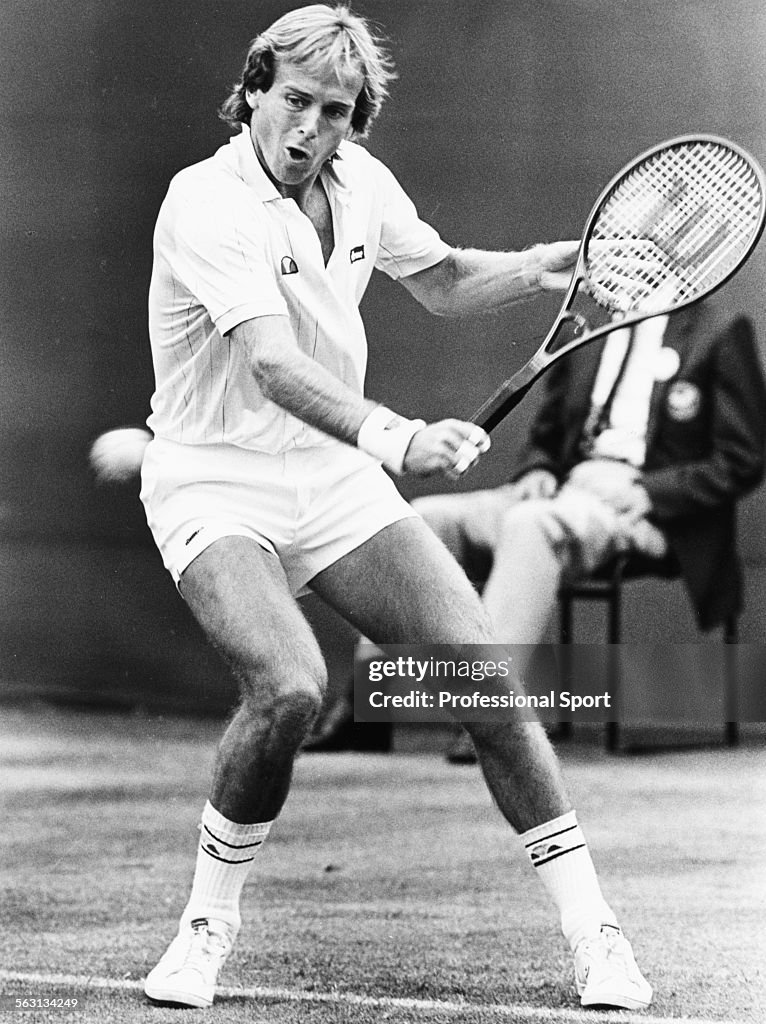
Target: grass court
390, 888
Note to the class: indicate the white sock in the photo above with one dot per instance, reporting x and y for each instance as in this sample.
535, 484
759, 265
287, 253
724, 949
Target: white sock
224, 857
560, 855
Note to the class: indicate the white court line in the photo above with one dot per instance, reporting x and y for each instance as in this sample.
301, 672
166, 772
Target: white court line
286, 995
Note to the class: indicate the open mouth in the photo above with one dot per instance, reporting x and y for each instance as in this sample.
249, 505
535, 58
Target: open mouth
299, 155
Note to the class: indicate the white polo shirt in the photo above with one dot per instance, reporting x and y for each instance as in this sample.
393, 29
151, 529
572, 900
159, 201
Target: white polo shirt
229, 248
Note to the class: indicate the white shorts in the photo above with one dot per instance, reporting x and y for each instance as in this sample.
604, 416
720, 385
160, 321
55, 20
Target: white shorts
307, 506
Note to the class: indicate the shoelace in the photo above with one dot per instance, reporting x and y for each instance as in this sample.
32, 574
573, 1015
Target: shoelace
612, 946
202, 950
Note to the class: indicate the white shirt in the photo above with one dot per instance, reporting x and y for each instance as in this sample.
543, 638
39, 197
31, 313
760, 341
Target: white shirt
229, 248
625, 435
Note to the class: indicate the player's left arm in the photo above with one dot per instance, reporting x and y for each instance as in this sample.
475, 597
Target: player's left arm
734, 464
469, 281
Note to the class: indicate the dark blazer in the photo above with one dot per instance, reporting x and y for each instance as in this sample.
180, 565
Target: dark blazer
705, 445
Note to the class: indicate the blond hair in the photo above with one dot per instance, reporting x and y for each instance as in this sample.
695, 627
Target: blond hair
316, 37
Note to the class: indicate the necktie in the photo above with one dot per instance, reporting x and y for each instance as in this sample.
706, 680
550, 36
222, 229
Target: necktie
598, 418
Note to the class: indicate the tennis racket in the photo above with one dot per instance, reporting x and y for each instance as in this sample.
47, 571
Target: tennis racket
670, 228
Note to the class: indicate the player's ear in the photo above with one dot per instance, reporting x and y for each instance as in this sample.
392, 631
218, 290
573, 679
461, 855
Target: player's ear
252, 98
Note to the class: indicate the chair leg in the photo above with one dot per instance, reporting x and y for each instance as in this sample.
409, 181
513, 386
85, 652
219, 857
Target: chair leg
614, 669
564, 729
614, 681
565, 619
731, 697
613, 593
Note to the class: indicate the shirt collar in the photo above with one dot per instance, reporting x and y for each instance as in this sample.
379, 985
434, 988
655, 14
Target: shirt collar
255, 177
336, 173
250, 168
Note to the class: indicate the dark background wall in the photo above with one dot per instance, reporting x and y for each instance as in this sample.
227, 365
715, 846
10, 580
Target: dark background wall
506, 121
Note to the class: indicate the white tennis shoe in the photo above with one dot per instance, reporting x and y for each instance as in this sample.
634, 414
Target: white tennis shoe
188, 972
606, 973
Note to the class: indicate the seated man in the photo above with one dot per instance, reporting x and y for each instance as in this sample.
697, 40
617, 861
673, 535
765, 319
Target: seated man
644, 442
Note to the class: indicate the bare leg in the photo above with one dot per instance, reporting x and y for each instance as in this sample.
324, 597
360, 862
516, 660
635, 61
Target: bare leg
469, 524
420, 595
239, 594
523, 586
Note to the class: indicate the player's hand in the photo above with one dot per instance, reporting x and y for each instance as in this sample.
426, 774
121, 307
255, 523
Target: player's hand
449, 447
537, 483
638, 272
556, 263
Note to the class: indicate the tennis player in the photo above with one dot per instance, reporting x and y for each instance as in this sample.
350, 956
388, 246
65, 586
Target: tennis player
264, 477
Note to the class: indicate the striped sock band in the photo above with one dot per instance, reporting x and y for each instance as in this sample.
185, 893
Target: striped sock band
559, 853
545, 843
225, 854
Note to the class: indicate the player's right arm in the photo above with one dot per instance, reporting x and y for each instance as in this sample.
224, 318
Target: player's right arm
296, 383
472, 281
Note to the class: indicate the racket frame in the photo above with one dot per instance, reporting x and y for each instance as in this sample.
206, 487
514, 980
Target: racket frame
512, 391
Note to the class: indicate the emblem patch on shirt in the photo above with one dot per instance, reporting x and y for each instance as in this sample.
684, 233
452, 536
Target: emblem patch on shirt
357, 253
289, 266
684, 401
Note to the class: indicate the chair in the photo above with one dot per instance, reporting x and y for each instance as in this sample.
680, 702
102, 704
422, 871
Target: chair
606, 585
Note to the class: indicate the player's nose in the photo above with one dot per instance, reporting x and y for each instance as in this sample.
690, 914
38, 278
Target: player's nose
309, 125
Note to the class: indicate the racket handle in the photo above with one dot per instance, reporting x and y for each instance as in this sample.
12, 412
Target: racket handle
506, 398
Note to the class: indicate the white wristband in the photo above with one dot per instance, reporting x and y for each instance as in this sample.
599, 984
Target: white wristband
386, 436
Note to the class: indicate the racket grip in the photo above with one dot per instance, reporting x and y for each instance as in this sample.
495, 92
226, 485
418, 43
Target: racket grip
505, 399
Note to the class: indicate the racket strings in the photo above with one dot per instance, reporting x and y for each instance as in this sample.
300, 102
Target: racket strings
690, 196
684, 218
684, 224
719, 194
691, 225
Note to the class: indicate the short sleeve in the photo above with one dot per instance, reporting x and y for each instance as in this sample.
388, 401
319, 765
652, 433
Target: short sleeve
218, 250
407, 244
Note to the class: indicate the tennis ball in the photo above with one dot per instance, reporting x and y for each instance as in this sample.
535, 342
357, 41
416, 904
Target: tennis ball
116, 456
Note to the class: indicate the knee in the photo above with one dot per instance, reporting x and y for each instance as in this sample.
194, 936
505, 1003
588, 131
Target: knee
287, 696
530, 518
293, 710
441, 513
536, 527
437, 510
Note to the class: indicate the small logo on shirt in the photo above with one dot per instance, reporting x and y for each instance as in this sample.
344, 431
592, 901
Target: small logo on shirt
289, 266
357, 253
